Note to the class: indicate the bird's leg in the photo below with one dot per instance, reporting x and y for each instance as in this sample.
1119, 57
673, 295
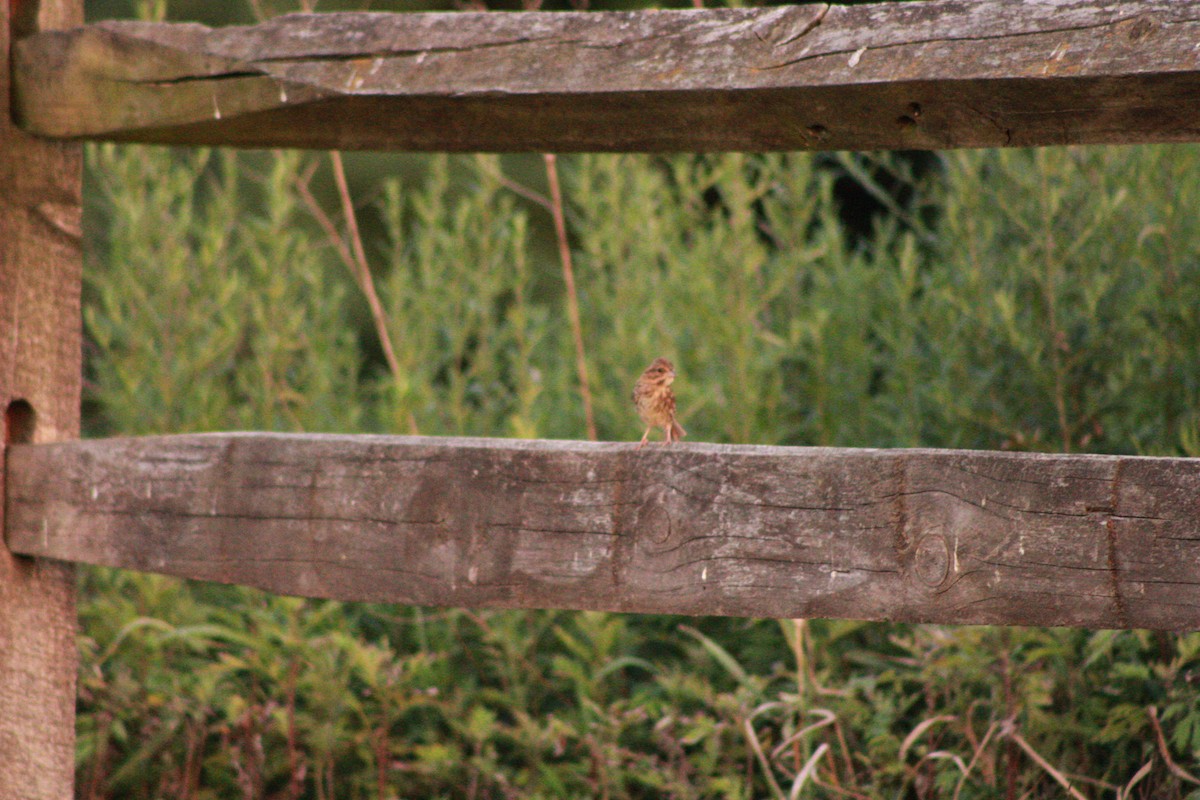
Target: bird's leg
669, 438
645, 436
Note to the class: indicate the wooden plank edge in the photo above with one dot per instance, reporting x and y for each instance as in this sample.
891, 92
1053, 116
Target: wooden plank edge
958, 537
932, 75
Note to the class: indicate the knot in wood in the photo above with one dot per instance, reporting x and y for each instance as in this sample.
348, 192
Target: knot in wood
654, 521
1139, 28
931, 562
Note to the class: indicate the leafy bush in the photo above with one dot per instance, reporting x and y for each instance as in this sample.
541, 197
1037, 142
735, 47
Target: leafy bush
1023, 299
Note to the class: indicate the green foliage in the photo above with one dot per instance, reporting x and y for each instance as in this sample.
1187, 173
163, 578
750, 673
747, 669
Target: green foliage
1075, 284
210, 317
1041, 300
456, 288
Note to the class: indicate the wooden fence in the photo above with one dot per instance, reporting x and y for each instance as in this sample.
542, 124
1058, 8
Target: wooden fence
919, 535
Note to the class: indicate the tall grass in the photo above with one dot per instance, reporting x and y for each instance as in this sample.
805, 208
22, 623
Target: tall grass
1026, 299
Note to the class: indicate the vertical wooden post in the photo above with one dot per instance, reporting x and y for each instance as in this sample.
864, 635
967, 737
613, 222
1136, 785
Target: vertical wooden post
40, 260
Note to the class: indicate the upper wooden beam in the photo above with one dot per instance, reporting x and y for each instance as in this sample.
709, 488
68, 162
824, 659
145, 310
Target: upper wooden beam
919, 535
937, 74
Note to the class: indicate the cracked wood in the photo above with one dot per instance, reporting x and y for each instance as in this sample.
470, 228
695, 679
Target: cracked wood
929, 75
917, 535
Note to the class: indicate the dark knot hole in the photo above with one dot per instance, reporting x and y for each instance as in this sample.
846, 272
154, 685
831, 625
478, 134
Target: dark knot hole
20, 420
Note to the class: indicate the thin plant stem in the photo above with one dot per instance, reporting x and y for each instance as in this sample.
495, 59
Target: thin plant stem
975, 758
756, 748
355, 258
1164, 751
810, 769
318, 213
1058, 340
564, 254
295, 773
361, 270
838, 790
518, 188
1044, 764
554, 206
827, 718
1011, 767
381, 761
799, 632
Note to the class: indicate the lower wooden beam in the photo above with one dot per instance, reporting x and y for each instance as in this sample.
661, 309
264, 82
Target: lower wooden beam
920, 535
40, 366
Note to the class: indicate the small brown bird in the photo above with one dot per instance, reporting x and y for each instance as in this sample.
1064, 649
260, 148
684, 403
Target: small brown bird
656, 402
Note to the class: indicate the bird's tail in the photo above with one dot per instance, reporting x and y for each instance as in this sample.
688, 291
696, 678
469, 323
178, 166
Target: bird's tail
677, 431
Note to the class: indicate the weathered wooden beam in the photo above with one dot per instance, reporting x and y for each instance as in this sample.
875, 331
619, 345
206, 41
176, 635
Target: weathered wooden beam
937, 74
921, 535
40, 365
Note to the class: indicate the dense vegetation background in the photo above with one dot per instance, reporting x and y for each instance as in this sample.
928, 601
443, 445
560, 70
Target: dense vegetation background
1042, 300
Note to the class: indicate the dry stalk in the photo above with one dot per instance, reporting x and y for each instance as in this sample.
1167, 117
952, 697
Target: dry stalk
1175, 769
916, 732
809, 769
564, 254
518, 188
851, 775
979, 748
839, 790
763, 761
827, 718
1061, 779
799, 630
1123, 794
354, 256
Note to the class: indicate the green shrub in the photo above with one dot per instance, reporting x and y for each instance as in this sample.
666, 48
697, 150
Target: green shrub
1038, 300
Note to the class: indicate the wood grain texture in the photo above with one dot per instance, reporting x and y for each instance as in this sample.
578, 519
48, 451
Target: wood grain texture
40, 364
917, 535
937, 74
